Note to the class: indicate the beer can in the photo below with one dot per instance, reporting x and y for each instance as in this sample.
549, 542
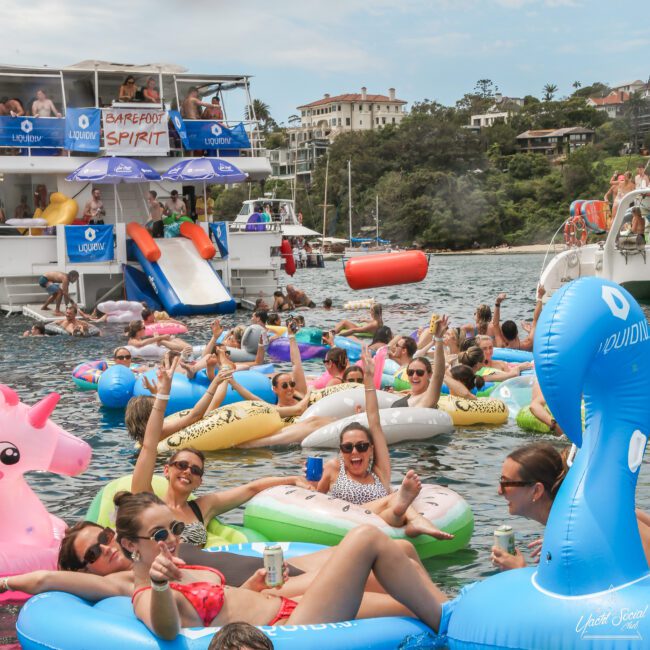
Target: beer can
433, 322
314, 469
504, 538
274, 565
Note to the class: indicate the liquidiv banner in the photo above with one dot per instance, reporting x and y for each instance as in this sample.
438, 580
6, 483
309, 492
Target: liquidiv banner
82, 129
207, 134
219, 232
135, 131
31, 131
179, 125
89, 243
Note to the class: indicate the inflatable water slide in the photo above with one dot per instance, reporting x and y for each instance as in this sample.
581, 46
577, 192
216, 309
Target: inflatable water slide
179, 271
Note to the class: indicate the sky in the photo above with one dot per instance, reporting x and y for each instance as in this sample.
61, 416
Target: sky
298, 50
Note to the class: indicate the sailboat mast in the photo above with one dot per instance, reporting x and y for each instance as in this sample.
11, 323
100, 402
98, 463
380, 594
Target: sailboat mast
350, 198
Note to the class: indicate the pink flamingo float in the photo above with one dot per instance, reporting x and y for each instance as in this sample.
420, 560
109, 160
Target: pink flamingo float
29, 440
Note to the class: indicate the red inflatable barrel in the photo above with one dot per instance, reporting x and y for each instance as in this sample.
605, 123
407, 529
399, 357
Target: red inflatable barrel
199, 238
287, 253
368, 271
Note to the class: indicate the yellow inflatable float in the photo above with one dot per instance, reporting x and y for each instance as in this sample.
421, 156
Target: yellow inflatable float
483, 410
61, 211
225, 427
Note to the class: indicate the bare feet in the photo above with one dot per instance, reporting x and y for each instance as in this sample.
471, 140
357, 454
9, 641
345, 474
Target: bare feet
45, 308
407, 493
421, 526
58, 312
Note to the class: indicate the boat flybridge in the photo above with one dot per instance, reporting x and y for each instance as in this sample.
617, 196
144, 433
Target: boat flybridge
90, 121
622, 257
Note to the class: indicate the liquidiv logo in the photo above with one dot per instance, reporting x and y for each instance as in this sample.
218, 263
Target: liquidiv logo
90, 245
218, 136
26, 126
83, 122
620, 307
26, 137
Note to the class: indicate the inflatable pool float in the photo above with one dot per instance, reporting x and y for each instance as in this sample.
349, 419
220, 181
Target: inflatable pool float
55, 328
238, 355
359, 304
278, 330
121, 311
515, 393
397, 424
86, 375
149, 352
115, 386
591, 588
298, 515
528, 422
310, 335
510, 355
102, 512
60, 621
27, 223
162, 327
466, 412
279, 349
225, 427
342, 400
352, 348
30, 535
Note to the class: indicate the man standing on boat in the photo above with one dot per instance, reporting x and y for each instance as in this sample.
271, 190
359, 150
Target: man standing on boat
94, 211
191, 105
175, 205
155, 215
43, 106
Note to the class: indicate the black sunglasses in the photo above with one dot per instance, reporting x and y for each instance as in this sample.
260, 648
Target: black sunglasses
416, 371
347, 447
505, 483
123, 357
176, 528
94, 552
288, 384
183, 465
351, 380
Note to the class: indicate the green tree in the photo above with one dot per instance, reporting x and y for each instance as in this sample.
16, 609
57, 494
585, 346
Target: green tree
261, 112
549, 92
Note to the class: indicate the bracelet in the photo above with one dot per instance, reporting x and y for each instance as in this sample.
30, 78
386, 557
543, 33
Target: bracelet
370, 390
159, 586
440, 339
164, 398
4, 585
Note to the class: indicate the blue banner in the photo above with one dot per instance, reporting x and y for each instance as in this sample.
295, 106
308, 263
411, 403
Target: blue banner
179, 125
31, 131
89, 243
206, 134
82, 129
219, 231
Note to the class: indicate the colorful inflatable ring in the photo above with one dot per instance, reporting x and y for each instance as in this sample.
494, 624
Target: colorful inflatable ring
121, 311
351, 347
279, 349
310, 335
162, 327
528, 422
102, 512
86, 375
225, 427
398, 424
291, 513
483, 410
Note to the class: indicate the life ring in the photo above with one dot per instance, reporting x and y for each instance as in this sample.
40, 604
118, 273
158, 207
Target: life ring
483, 410
580, 231
398, 424
55, 328
295, 514
162, 328
86, 375
570, 232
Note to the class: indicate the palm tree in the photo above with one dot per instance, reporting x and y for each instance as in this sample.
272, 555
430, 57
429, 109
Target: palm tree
549, 92
576, 84
261, 112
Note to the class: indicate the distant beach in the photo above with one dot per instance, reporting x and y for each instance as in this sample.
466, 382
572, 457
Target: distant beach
509, 250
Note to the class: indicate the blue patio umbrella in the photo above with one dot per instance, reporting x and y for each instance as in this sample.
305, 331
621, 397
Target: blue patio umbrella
113, 170
213, 170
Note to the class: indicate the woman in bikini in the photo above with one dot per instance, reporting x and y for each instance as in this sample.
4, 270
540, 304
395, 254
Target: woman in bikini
348, 328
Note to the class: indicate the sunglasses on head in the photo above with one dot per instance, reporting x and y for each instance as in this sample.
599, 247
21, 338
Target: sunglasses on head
288, 384
505, 483
347, 447
176, 528
94, 552
416, 371
122, 357
183, 465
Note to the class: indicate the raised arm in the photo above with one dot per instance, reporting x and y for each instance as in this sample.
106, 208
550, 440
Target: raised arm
381, 457
217, 330
499, 339
527, 344
432, 394
298, 371
146, 463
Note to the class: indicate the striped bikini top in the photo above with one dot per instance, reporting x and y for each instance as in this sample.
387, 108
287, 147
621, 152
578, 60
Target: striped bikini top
195, 533
354, 492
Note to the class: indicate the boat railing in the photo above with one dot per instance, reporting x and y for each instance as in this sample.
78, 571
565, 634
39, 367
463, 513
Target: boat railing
267, 226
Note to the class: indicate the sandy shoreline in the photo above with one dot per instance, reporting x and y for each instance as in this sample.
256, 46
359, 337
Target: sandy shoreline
513, 250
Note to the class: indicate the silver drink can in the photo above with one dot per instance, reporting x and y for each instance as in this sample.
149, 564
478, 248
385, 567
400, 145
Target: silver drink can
274, 565
504, 538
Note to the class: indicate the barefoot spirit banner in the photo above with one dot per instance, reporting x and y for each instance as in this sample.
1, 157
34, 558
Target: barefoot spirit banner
135, 131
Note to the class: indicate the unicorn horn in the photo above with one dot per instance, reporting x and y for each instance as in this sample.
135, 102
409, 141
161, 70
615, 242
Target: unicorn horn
11, 397
41, 411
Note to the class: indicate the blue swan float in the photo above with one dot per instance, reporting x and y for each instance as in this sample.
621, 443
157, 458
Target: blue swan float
591, 589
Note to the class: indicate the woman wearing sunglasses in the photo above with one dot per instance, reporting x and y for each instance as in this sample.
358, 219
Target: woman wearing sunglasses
184, 471
361, 473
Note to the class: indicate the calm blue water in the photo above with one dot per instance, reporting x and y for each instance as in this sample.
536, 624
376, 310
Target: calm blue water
469, 461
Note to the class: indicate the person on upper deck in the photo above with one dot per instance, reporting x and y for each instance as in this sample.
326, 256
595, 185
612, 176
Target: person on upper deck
214, 111
175, 205
94, 211
191, 104
22, 210
128, 90
43, 106
150, 93
156, 211
15, 107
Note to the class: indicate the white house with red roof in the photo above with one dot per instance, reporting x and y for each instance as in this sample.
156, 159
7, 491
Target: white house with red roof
611, 104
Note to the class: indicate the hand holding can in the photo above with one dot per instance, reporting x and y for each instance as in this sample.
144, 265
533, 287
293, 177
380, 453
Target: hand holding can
314, 468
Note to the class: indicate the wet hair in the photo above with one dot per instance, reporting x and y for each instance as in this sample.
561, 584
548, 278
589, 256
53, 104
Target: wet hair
424, 361
483, 337
235, 636
146, 312
39, 327
129, 507
382, 335
339, 356
273, 318
117, 349
276, 378
349, 370
356, 426
471, 357
467, 344
483, 318
300, 320
278, 294
327, 303
73, 307
258, 302
138, 410
134, 327
465, 375
262, 314
376, 310
409, 345
541, 463
68, 559
509, 329
197, 452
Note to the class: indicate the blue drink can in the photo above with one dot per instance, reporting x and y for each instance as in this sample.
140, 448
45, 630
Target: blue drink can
314, 468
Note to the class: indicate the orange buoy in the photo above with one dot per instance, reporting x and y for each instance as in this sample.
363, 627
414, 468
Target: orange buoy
199, 238
383, 270
287, 253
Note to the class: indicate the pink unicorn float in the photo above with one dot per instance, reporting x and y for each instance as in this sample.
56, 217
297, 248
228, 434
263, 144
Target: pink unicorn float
29, 440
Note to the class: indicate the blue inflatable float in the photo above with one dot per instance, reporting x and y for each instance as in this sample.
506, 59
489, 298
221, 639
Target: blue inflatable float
59, 621
591, 589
